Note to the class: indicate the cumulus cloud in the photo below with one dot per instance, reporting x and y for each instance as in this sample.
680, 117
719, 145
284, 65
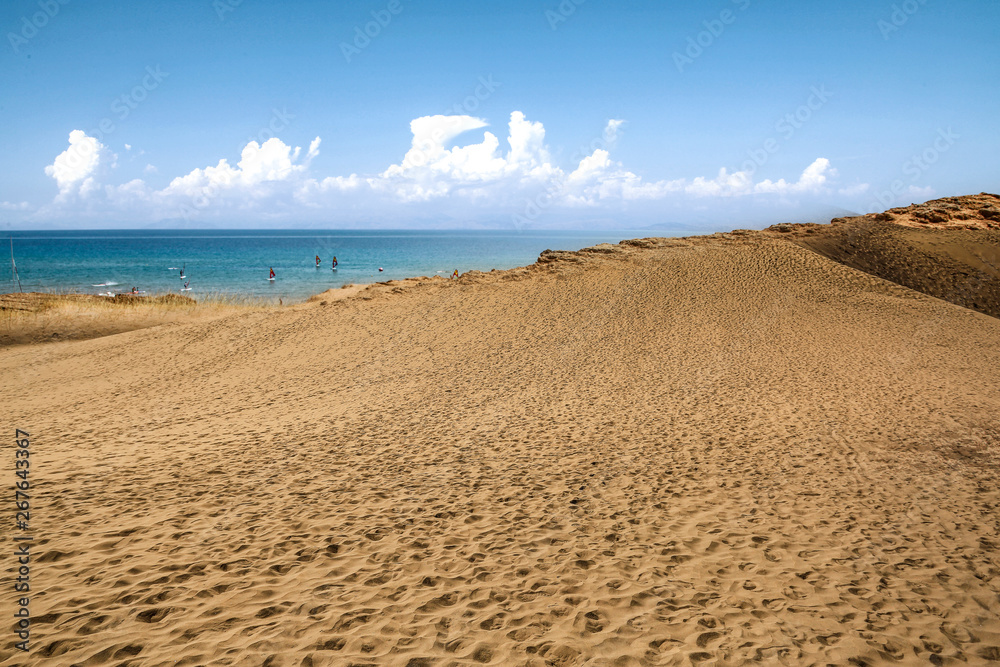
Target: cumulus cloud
430, 134
812, 179
527, 144
429, 169
482, 174
479, 171
429, 160
270, 162
75, 170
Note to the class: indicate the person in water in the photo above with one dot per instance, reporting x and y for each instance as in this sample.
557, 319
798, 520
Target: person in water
271, 277
317, 261
455, 275
186, 283
335, 261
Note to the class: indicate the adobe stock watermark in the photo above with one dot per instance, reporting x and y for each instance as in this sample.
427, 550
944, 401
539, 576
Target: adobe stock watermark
562, 13
786, 127
484, 90
714, 29
31, 25
123, 105
363, 36
915, 167
223, 7
901, 13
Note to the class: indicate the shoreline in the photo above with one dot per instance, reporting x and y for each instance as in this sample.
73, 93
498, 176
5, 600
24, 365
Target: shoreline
236, 266
968, 213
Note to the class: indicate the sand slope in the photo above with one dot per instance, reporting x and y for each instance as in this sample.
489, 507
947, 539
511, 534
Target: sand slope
948, 248
704, 451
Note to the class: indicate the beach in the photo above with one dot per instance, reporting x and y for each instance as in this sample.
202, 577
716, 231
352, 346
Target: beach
708, 450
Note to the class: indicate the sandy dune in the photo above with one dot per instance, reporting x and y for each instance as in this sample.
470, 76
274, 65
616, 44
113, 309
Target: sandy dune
704, 451
947, 248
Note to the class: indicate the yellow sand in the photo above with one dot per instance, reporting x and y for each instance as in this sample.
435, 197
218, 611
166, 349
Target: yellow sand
706, 451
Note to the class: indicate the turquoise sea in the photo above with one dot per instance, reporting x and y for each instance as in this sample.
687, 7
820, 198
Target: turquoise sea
238, 261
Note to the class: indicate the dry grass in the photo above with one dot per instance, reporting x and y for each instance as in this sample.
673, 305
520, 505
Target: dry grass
36, 317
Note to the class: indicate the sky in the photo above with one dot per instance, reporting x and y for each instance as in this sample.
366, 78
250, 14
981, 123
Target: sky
547, 114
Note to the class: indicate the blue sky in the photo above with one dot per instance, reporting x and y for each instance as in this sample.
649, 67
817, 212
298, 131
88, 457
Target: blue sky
534, 114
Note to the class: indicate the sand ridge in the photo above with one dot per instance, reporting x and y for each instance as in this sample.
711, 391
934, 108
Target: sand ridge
691, 451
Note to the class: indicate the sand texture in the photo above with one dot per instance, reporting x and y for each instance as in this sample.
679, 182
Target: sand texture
948, 248
667, 452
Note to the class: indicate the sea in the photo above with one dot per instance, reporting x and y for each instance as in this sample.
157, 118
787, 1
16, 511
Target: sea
237, 263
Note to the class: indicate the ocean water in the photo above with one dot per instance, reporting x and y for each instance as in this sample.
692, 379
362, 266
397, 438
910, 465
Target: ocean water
237, 262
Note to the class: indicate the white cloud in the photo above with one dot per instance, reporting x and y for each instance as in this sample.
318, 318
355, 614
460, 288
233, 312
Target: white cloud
431, 170
260, 166
429, 160
150, 169
9, 206
854, 190
527, 143
487, 176
430, 134
128, 147
812, 180
75, 170
598, 179
593, 166
723, 185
